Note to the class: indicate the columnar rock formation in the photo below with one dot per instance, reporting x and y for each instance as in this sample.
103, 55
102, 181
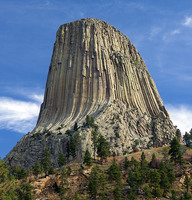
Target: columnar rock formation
95, 70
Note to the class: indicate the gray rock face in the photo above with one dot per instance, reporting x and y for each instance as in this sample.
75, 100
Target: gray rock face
95, 70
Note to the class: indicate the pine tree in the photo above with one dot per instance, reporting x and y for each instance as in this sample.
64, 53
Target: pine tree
187, 196
94, 182
126, 163
173, 195
187, 182
143, 162
87, 158
4, 172
134, 163
72, 147
61, 160
175, 151
170, 174
77, 141
63, 186
165, 184
134, 179
37, 169
118, 193
147, 192
46, 161
144, 169
19, 173
76, 127
132, 194
178, 134
103, 183
155, 183
103, 148
94, 139
114, 173
188, 139
25, 192
89, 121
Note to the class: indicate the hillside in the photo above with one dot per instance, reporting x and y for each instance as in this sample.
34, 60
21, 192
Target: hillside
71, 181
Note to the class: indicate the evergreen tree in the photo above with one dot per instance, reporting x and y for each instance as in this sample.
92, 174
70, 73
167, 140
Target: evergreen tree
61, 160
94, 182
103, 148
155, 183
114, 173
118, 193
144, 169
46, 161
134, 179
25, 192
187, 196
87, 158
62, 189
37, 169
187, 182
170, 174
76, 127
134, 163
173, 195
103, 183
77, 142
143, 162
19, 173
94, 139
89, 121
175, 151
72, 147
4, 172
188, 139
126, 163
178, 134
165, 184
132, 194
147, 192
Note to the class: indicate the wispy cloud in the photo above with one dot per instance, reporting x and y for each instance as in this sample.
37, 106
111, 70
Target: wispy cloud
181, 116
37, 97
19, 115
154, 32
170, 35
187, 22
175, 32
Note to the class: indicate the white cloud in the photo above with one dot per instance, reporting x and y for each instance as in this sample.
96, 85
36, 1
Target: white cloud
181, 116
175, 32
18, 115
170, 35
187, 22
37, 97
155, 31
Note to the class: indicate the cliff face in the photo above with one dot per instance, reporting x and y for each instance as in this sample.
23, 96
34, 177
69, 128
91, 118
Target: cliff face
95, 70
92, 64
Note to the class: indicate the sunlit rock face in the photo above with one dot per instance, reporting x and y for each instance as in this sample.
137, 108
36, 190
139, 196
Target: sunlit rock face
95, 70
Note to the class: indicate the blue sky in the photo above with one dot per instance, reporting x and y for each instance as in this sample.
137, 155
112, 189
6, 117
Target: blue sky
161, 31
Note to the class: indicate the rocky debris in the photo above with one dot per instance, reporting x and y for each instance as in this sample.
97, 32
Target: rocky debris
95, 70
